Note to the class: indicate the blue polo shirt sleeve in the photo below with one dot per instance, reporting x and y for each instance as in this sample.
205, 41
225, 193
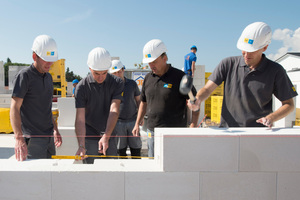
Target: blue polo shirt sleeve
194, 58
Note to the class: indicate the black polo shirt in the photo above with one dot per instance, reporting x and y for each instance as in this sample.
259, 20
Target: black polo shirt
166, 106
36, 90
248, 94
96, 99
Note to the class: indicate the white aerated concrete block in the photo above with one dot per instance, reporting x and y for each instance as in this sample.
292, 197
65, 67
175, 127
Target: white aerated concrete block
69, 139
237, 186
270, 153
191, 152
67, 112
88, 185
288, 186
25, 185
162, 186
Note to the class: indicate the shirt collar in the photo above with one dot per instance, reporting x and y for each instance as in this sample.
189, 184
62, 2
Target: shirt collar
91, 79
36, 71
262, 65
165, 74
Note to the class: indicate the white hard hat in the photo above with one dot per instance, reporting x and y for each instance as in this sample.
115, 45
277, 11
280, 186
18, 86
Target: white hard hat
99, 59
45, 47
152, 50
116, 65
254, 37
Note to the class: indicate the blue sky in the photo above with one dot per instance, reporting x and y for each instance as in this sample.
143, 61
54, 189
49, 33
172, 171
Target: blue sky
124, 27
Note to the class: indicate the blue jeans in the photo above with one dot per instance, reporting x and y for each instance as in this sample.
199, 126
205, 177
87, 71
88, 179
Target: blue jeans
189, 72
150, 143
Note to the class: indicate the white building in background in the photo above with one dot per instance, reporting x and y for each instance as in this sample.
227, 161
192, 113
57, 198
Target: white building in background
291, 63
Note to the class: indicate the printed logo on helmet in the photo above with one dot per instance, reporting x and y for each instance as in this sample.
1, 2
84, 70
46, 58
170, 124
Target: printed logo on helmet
148, 55
249, 41
50, 53
115, 67
167, 85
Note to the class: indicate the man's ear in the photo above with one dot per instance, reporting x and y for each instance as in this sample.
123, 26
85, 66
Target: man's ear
34, 56
265, 48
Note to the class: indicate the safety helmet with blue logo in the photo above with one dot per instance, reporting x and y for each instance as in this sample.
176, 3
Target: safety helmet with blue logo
152, 50
116, 65
45, 47
254, 37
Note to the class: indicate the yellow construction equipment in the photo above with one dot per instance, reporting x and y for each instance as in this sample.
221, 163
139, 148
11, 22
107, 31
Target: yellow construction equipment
58, 73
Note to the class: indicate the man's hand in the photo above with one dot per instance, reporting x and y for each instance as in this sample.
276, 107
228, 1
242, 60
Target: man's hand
194, 106
136, 131
265, 121
81, 152
57, 138
103, 144
21, 150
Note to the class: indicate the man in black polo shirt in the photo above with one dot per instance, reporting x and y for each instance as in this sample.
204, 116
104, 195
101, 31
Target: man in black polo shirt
160, 97
97, 100
249, 82
31, 104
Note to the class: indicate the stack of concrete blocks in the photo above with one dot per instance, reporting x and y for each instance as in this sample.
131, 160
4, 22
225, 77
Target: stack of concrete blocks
69, 88
199, 82
66, 122
12, 72
193, 164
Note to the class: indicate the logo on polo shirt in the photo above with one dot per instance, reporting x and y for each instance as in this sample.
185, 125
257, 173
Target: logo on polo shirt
249, 41
50, 53
167, 85
148, 55
294, 89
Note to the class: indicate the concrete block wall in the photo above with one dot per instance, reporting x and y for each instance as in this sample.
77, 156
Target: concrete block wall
199, 82
12, 72
194, 164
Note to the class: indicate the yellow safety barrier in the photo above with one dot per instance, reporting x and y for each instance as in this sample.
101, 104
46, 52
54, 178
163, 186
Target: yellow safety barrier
5, 126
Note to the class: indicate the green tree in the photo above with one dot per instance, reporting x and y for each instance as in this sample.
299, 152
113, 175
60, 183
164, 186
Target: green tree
70, 76
141, 66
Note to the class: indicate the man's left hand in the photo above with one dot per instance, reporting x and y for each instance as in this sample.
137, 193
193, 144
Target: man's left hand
57, 138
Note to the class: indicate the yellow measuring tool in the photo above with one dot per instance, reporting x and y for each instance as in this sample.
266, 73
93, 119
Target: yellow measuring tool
77, 157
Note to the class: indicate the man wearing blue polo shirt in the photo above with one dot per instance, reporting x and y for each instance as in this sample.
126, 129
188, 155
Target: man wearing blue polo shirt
190, 61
